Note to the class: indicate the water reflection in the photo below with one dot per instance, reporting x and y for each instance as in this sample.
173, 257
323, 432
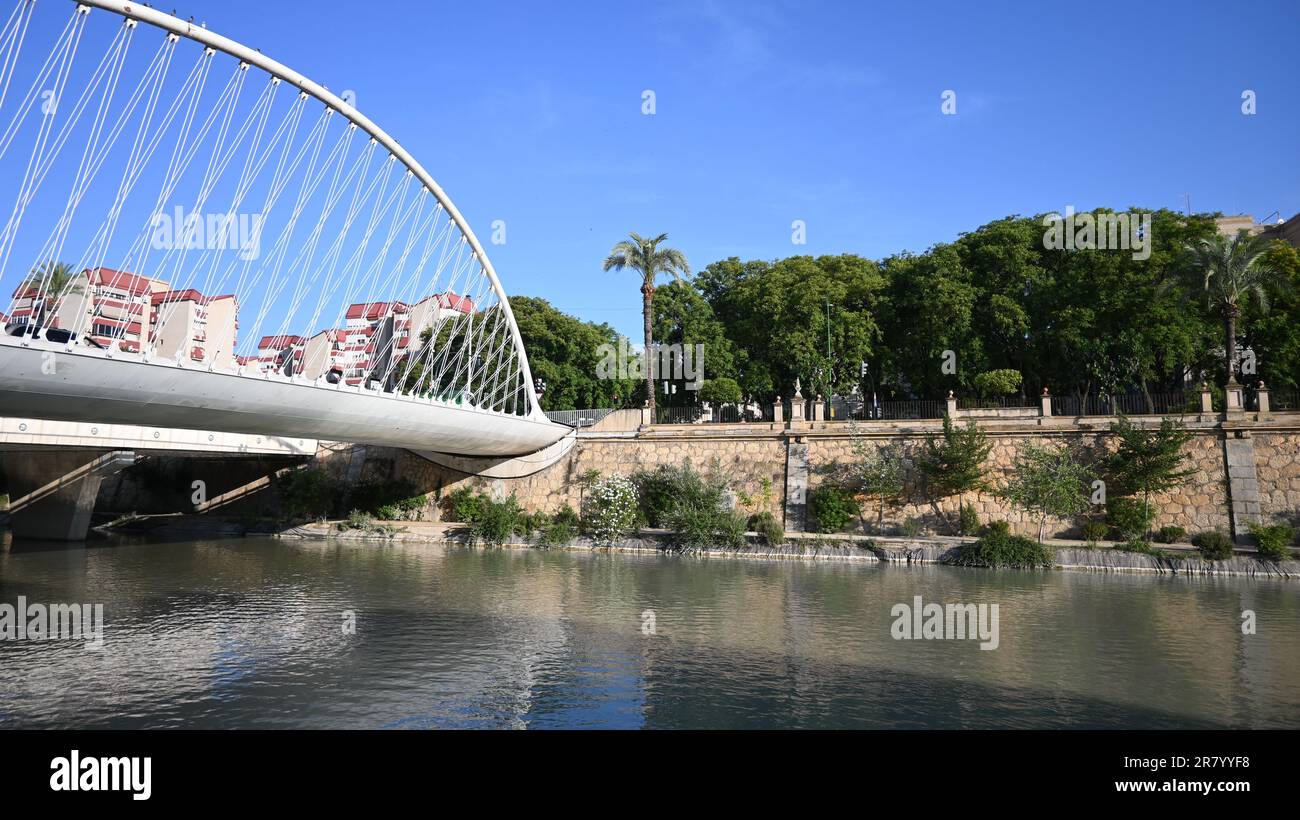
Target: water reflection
248, 633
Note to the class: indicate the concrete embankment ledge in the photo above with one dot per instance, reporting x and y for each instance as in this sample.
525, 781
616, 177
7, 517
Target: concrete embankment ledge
1069, 555
938, 549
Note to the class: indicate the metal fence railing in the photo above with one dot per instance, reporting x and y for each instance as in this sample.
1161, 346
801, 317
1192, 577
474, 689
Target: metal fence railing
997, 403
578, 418
1283, 400
1130, 404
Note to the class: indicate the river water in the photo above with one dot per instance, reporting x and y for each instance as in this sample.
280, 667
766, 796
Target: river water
252, 633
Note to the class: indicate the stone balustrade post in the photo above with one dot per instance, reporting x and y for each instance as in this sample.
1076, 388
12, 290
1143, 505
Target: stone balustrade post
778, 411
1233, 401
1207, 400
952, 404
1045, 404
819, 409
1262, 394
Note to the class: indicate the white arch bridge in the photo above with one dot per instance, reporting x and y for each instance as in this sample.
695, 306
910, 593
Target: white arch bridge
202, 238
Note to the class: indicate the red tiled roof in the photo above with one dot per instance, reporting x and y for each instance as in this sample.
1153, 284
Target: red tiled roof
279, 342
130, 282
187, 295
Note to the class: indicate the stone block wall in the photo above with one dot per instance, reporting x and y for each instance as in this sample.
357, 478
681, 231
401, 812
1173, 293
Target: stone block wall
756, 461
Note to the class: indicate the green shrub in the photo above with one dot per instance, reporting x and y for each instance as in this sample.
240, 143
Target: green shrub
911, 527
660, 490
556, 534
566, 515
527, 523
463, 505
721, 390
997, 383
496, 521
769, 530
1002, 550
695, 528
1274, 542
358, 520
996, 528
1129, 517
1139, 546
1170, 535
832, 507
1213, 545
1094, 531
969, 519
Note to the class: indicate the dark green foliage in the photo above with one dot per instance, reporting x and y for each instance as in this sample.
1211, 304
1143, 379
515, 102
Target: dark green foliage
1273, 542
721, 390
1139, 546
306, 493
997, 383
566, 515
832, 507
661, 489
1129, 517
692, 506
556, 534
695, 527
1002, 550
1170, 535
998, 528
1093, 531
1214, 545
769, 530
911, 527
970, 520
463, 504
496, 521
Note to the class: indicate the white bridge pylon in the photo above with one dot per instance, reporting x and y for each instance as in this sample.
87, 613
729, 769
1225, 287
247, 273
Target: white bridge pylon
201, 237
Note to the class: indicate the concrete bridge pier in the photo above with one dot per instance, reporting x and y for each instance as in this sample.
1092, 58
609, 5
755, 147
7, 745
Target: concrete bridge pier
52, 492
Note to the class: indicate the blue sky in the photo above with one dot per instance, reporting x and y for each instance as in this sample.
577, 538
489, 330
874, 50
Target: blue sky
826, 112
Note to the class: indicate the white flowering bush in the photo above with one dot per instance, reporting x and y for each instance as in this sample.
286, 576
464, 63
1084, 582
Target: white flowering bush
609, 510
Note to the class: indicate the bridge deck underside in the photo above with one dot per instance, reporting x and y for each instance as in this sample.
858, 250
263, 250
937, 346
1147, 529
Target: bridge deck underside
53, 383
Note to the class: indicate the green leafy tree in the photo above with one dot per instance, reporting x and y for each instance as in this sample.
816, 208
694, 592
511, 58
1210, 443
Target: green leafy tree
997, 383
1048, 481
953, 463
650, 261
1232, 271
1148, 460
720, 391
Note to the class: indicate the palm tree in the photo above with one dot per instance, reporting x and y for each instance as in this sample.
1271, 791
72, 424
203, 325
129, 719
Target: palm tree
648, 259
1232, 270
55, 280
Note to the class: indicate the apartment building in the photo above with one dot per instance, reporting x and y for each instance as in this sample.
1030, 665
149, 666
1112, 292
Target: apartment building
187, 326
107, 306
279, 354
